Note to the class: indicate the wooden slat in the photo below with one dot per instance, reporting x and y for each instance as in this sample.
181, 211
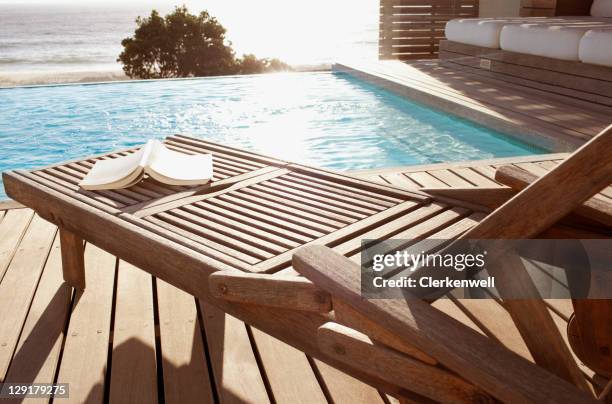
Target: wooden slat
38, 351
349, 231
480, 360
349, 345
298, 225
134, 369
474, 177
205, 246
428, 16
343, 388
19, 284
345, 314
274, 291
593, 208
172, 261
202, 192
250, 223
10, 204
235, 368
185, 370
312, 205
86, 347
12, 229
241, 155
325, 215
316, 221
287, 370
354, 190
389, 230
247, 248
491, 198
495, 321
425, 179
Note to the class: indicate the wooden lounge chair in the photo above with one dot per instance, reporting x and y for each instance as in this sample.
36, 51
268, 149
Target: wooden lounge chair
231, 243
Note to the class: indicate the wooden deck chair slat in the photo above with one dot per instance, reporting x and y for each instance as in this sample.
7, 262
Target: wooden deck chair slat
488, 197
273, 291
348, 316
580, 176
593, 208
346, 344
333, 211
322, 215
575, 180
486, 363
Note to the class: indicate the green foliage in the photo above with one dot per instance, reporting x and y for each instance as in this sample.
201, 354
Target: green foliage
249, 64
185, 45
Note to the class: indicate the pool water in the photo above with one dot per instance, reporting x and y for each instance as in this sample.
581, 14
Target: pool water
323, 119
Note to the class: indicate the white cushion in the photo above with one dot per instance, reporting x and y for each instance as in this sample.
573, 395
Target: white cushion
481, 31
558, 40
601, 8
596, 47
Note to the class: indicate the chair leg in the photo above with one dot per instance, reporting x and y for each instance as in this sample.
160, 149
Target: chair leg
73, 261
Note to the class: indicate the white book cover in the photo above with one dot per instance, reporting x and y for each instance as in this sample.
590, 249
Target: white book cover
156, 160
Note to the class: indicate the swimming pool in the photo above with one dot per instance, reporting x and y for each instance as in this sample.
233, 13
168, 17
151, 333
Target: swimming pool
324, 119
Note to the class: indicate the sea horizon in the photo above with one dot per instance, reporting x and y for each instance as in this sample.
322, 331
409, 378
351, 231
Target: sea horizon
43, 42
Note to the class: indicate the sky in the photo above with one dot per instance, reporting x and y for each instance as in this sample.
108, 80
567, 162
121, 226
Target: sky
291, 29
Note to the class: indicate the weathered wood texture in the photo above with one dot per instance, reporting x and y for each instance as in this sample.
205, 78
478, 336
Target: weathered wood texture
582, 80
412, 29
480, 360
36, 346
183, 326
73, 263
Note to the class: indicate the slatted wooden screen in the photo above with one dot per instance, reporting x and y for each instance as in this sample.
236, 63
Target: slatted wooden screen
412, 29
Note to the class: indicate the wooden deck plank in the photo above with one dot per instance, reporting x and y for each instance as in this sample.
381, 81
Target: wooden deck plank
343, 388
235, 368
184, 353
134, 370
12, 228
84, 360
400, 180
19, 284
185, 372
495, 321
291, 378
425, 179
450, 178
10, 204
38, 351
474, 177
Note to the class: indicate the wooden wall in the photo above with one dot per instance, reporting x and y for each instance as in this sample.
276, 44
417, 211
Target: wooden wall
412, 29
549, 8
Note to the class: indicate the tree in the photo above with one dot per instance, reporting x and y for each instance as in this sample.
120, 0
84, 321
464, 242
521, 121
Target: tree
249, 64
185, 45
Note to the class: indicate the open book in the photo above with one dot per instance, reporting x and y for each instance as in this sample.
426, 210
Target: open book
154, 159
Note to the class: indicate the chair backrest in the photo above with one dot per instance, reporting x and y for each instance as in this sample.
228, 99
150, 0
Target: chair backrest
528, 213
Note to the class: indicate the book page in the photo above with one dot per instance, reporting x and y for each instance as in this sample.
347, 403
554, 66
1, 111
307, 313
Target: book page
116, 173
176, 168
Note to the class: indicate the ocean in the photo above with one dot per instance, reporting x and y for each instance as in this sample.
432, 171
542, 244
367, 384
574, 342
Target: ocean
51, 38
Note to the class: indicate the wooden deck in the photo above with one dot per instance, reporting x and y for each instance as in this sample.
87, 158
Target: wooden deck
555, 118
479, 173
132, 338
